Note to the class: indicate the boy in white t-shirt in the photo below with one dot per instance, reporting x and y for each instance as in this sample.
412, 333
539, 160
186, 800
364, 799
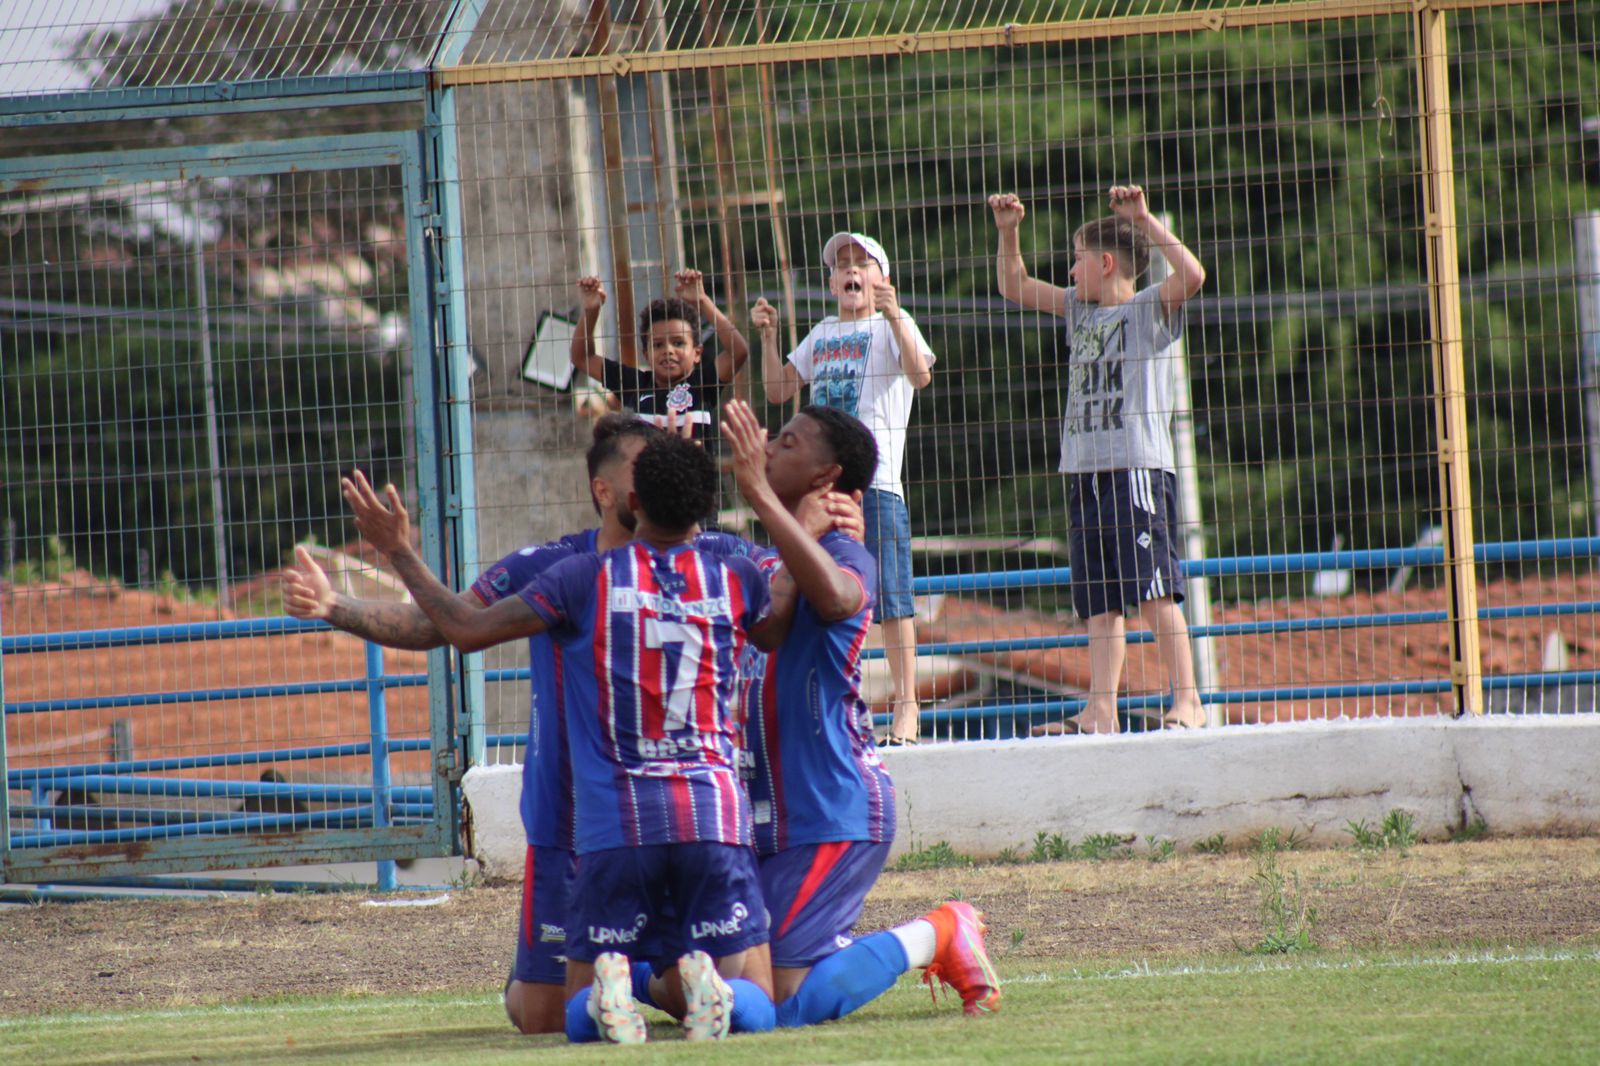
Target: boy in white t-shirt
867, 360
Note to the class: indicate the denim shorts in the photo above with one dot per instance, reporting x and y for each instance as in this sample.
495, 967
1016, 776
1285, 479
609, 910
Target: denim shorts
889, 541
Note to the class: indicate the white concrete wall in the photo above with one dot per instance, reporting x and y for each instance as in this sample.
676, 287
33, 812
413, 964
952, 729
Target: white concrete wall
1522, 776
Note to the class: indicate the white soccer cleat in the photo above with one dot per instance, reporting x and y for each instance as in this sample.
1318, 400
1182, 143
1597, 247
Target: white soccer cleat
707, 996
611, 1002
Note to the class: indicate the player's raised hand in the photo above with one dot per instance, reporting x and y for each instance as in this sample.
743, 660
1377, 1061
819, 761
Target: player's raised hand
747, 441
689, 284
763, 316
1127, 201
591, 294
382, 520
307, 593
679, 425
1008, 210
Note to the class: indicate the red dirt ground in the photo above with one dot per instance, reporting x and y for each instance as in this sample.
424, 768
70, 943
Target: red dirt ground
81, 602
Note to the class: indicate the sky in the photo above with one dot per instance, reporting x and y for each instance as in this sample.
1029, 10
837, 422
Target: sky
29, 30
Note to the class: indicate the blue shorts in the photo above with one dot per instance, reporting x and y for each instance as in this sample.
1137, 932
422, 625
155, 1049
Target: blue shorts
542, 932
814, 896
889, 541
1122, 549
664, 900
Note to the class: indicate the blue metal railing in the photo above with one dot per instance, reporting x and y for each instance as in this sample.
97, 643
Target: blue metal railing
381, 803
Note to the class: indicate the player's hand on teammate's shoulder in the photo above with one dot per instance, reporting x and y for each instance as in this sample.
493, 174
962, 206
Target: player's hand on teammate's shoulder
841, 512
382, 520
1008, 210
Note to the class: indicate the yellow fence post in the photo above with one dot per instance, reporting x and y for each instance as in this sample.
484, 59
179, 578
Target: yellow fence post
1445, 343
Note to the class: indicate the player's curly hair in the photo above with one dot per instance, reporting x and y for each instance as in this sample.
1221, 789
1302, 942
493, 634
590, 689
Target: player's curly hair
853, 446
671, 309
609, 433
676, 482
1119, 237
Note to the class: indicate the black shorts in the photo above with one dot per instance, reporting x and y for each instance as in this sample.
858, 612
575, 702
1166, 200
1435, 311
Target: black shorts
1123, 548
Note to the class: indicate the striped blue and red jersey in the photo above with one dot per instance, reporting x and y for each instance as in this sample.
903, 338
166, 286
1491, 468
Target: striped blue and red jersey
651, 641
816, 774
546, 776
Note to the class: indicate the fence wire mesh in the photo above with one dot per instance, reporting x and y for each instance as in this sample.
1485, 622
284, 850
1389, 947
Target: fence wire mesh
1286, 145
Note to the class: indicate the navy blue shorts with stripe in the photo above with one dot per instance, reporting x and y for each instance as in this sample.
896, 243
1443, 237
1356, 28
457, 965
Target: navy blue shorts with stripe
814, 896
542, 930
1123, 548
660, 901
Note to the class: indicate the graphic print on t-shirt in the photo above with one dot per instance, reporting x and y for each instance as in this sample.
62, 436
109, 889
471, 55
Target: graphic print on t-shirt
1094, 382
839, 364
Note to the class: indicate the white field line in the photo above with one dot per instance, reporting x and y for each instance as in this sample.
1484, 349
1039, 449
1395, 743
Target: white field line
1145, 970
907, 984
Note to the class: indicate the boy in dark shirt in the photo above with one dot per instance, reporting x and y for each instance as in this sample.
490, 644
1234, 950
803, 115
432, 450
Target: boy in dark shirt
673, 380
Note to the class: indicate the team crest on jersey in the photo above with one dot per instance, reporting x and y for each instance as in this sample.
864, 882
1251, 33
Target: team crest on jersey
500, 579
681, 398
1144, 540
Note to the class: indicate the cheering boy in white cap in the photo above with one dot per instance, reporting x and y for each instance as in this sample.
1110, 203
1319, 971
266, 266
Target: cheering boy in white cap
867, 360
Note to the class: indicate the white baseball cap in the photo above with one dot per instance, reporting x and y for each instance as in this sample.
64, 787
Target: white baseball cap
868, 245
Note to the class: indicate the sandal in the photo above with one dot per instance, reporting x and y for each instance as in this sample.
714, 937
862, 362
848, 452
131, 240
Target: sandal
899, 742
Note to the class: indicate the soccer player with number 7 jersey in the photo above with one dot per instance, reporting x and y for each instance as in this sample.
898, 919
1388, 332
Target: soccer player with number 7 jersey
655, 629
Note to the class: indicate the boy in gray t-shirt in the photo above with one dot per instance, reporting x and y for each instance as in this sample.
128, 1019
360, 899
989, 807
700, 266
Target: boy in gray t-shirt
1116, 439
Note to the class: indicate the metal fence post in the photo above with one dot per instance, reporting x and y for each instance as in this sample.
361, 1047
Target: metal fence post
1586, 248
1445, 343
378, 720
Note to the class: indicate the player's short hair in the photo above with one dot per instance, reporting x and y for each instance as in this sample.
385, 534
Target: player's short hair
852, 443
1119, 237
676, 482
609, 433
670, 309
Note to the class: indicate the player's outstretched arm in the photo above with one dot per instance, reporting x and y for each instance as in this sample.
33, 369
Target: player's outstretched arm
1010, 270
387, 526
308, 594
779, 379
832, 593
732, 349
1187, 275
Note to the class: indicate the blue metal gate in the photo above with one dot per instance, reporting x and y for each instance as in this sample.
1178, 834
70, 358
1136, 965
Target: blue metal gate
197, 341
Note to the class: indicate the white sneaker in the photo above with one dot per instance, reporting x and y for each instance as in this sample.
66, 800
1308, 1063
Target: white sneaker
611, 1002
707, 996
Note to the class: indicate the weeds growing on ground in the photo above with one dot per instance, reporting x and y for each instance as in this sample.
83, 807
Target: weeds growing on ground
1397, 832
938, 856
1274, 839
1473, 830
1160, 850
1212, 845
1287, 917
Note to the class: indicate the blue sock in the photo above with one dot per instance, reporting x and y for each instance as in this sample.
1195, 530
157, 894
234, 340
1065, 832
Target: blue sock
642, 973
845, 981
753, 1011
581, 1029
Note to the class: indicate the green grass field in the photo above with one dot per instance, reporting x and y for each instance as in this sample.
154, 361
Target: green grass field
1524, 1005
